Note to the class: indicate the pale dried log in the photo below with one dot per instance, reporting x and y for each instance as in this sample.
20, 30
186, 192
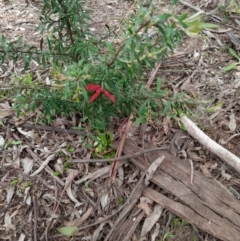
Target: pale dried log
211, 145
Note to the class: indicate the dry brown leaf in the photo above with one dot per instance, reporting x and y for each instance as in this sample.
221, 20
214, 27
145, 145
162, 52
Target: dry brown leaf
166, 125
225, 175
16, 159
27, 164
2, 142
152, 169
69, 180
8, 222
79, 221
232, 123
59, 166
96, 233
151, 219
32, 134
5, 237
205, 171
43, 165
192, 155
6, 113
27, 198
144, 206
120, 179
156, 232
10, 192
210, 164
22, 237
105, 199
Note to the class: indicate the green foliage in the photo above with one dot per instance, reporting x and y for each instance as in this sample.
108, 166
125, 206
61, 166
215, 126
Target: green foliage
233, 7
121, 201
67, 165
68, 231
66, 25
234, 64
168, 236
103, 145
15, 181
178, 222
80, 58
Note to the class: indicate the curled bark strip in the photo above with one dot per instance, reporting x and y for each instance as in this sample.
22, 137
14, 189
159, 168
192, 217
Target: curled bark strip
211, 145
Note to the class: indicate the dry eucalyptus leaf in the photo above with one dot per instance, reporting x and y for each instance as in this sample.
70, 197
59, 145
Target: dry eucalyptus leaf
43, 165
205, 171
96, 233
27, 164
156, 232
27, 197
237, 81
31, 133
166, 125
152, 169
10, 192
8, 222
22, 237
145, 207
232, 123
59, 165
5, 237
105, 200
6, 113
151, 219
194, 156
225, 175
68, 183
120, 178
16, 159
79, 221
2, 142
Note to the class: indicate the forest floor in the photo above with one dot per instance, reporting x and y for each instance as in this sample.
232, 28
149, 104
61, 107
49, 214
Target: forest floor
34, 202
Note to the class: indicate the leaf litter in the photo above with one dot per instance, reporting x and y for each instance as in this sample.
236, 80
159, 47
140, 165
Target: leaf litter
32, 158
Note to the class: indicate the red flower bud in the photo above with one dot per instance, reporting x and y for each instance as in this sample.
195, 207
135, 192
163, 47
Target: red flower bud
96, 94
98, 89
110, 96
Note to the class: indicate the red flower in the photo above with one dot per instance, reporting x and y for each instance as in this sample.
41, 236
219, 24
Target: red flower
98, 90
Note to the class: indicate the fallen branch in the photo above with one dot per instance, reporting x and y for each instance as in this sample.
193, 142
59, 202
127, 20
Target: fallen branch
211, 145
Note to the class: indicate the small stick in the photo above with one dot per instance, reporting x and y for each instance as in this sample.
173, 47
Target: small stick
120, 158
120, 148
35, 219
48, 128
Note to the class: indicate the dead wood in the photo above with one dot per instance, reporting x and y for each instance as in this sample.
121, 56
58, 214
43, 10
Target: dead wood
128, 226
211, 145
203, 203
115, 233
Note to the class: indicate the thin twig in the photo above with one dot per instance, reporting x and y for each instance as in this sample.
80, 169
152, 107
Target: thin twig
35, 219
153, 75
48, 128
120, 148
120, 158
